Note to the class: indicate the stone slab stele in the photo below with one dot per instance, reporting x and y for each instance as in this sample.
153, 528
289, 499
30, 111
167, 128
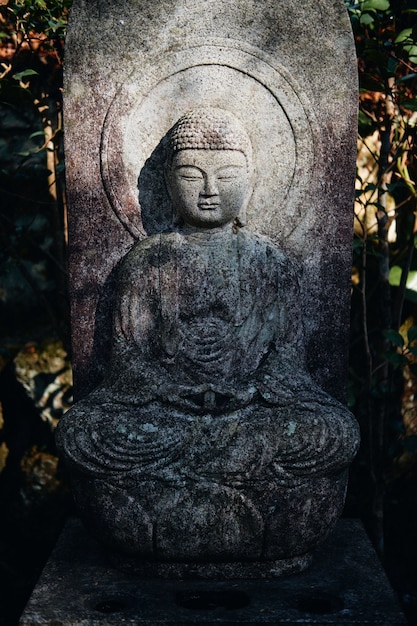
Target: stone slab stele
210, 151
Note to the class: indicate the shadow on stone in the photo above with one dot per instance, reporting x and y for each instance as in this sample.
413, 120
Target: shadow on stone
320, 603
210, 599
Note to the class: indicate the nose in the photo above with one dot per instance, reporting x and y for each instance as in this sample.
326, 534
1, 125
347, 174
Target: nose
210, 186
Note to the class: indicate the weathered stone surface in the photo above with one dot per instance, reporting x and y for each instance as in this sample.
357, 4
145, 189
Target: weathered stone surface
286, 70
209, 137
208, 440
345, 585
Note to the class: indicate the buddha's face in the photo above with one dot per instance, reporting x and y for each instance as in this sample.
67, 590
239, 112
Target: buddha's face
209, 187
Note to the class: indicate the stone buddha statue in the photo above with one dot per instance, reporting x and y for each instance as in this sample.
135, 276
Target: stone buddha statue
208, 441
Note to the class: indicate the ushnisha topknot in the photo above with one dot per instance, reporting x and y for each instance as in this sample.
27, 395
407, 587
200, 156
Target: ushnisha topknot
209, 129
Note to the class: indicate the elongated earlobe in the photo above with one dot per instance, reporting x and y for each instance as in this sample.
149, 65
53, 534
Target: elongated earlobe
241, 219
176, 218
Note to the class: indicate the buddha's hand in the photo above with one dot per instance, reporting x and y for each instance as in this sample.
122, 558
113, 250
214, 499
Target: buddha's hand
211, 398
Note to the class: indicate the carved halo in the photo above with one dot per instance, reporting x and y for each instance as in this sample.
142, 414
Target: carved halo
273, 109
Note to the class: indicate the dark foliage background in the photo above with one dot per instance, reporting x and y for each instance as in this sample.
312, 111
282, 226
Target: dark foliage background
35, 373
383, 363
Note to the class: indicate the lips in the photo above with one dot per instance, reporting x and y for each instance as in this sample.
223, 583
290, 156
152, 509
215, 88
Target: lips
208, 206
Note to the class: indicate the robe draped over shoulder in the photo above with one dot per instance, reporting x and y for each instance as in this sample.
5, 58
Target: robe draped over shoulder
205, 312
208, 342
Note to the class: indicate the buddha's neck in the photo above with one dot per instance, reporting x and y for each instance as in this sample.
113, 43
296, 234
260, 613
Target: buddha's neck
208, 233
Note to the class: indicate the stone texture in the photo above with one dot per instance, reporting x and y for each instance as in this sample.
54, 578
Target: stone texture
208, 441
345, 585
205, 432
290, 74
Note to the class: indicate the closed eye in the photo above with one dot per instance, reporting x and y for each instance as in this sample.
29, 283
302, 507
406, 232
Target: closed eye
227, 177
229, 173
189, 173
187, 177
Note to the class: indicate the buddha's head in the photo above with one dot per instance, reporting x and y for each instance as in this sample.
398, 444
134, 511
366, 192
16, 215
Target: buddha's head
209, 169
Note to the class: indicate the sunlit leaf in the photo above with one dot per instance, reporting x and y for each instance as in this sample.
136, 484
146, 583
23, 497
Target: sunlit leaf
395, 277
404, 35
376, 5
411, 49
38, 133
24, 74
366, 19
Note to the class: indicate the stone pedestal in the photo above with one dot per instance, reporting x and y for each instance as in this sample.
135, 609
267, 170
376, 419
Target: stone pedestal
345, 585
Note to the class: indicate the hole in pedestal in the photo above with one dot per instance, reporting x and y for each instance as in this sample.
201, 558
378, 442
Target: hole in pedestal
320, 603
110, 605
210, 599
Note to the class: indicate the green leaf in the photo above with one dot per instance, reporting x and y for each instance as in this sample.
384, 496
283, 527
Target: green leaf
398, 184
410, 104
412, 333
396, 359
23, 74
404, 35
375, 5
394, 337
38, 133
412, 350
392, 65
395, 278
365, 124
366, 19
358, 244
410, 49
402, 79
368, 83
